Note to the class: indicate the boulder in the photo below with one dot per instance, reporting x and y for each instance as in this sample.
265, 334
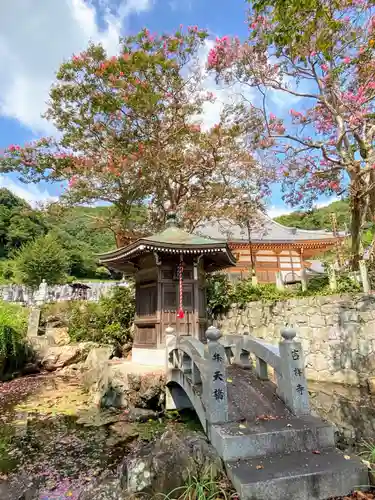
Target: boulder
371, 385
59, 356
98, 356
148, 468
59, 335
105, 487
122, 433
112, 384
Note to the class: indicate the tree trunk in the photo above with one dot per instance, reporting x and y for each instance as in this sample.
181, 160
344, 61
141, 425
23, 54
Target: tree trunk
355, 230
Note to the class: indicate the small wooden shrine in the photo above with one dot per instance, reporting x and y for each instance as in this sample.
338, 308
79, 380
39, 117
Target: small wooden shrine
169, 270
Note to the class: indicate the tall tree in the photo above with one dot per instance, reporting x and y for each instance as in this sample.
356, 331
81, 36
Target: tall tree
19, 223
131, 133
320, 52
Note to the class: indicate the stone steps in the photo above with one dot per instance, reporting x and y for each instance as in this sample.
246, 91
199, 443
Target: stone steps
297, 476
250, 440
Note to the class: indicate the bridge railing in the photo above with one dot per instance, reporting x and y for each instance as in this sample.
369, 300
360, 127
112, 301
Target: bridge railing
286, 360
202, 371
202, 368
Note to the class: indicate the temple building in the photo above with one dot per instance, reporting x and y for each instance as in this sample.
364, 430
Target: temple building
170, 270
269, 247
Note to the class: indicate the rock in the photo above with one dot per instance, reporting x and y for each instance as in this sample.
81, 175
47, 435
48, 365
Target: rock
20, 487
30, 369
122, 433
95, 417
126, 349
148, 392
60, 356
371, 385
59, 335
98, 356
141, 415
148, 468
113, 385
105, 487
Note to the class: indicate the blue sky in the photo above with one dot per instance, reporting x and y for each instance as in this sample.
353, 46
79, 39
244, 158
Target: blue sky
36, 35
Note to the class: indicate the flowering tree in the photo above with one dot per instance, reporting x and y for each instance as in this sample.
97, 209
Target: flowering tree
131, 133
321, 54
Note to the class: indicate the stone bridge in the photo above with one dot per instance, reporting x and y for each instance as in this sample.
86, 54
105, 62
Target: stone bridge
253, 403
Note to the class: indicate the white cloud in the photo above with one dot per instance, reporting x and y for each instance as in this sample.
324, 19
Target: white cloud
275, 211
224, 94
37, 35
29, 192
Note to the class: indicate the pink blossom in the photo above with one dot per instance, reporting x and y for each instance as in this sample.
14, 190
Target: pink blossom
324, 67
72, 181
313, 53
272, 116
346, 60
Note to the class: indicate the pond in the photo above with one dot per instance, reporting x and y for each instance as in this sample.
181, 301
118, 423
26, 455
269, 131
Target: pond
54, 442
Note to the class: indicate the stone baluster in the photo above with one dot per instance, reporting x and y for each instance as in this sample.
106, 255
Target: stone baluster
332, 277
364, 276
293, 383
279, 281
169, 337
303, 279
215, 393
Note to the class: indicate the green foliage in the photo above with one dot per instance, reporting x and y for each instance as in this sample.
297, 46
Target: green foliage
221, 293
319, 218
43, 258
108, 321
202, 487
19, 223
13, 324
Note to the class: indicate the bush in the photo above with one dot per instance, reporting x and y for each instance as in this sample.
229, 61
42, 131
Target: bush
102, 273
108, 321
13, 325
221, 293
43, 258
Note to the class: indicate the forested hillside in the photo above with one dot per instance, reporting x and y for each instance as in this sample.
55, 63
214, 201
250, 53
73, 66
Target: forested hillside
319, 218
77, 232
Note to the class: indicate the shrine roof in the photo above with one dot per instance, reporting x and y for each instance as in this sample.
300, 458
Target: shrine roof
173, 240
176, 236
263, 230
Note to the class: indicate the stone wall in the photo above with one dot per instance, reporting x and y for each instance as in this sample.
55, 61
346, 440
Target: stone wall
337, 332
55, 293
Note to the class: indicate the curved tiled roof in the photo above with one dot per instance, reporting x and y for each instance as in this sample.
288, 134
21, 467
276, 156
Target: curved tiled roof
263, 229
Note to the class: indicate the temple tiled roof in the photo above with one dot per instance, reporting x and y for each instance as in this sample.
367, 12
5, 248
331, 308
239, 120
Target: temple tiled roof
263, 230
173, 240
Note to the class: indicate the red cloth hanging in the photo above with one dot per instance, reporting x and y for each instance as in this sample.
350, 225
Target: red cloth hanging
180, 313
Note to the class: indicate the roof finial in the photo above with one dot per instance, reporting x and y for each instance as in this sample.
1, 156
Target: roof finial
171, 218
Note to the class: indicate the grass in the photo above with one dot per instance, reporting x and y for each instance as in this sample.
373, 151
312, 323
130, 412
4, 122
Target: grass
205, 487
368, 452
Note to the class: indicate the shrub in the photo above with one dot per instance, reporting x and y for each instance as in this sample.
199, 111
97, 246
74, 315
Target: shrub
102, 273
108, 321
43, 258
13, 325
221, 293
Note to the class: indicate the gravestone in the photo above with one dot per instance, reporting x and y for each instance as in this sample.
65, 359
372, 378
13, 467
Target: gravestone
33, 325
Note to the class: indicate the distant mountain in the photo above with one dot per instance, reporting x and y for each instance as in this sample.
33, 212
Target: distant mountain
319, 218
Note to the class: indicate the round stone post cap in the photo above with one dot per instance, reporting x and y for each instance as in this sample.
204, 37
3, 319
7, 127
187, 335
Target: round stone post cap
288, 333
213, 334
169, 330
